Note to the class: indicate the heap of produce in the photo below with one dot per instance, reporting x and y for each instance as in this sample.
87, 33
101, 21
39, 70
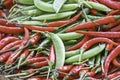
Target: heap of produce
60, 39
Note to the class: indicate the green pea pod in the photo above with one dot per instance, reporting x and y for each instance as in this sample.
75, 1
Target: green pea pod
70, 36
49, 7
26, 7
72, 53
35, 23
94, 17
33, 12
98, 6
87, 54
25, 2
56, 16
59, 50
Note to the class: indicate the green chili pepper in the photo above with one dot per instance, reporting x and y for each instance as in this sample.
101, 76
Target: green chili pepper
87, 54
54, 16
91, 62
59, 50
49, 8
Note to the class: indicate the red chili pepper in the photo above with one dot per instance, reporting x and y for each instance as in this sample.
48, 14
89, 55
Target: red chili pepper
39, 78
79, 44
39, 64
4, 22
26, 36
2, 14
35, 38
7, 40
91, 78
52, 54
23, 56
117, 28
8, 4
111, 25
75, 70
5, 56
101, 34
113, 12
66, 68
115, 62
94, 12
113, 54
60, 23
11, 30
34, 60
111, 3
93, 41
40, 28
10, 45
113, 75
91, 24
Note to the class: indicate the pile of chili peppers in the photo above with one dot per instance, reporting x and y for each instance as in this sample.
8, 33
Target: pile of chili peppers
80, 41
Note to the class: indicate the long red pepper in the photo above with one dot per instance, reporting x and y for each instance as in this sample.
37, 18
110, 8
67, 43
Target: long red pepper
75, 70
79, 44
8, 4
52, 54
113, 54
7, 40
93, 41
113, 75
115, 62
60, 23
111, 3
5, 56
39, 64
10, 45
34, 60
101, 34
5, 22
113, 12
111, 25
91, 24
117, 28
11, 30
65, 68
40, 28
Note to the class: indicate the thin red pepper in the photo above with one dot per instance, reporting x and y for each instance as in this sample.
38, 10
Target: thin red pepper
10, 45
5, 22
113, 54
79, 44
111, 3
101, 34
5, 56
52, 54
117, 28
93, 41
34, 60
60, 23
113, 12
2, 14
75, 70
115, 62
66, 68
8, 4
91, 24
111, 25
39, 64
11, 30
7, 40
40, 28
113, 75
